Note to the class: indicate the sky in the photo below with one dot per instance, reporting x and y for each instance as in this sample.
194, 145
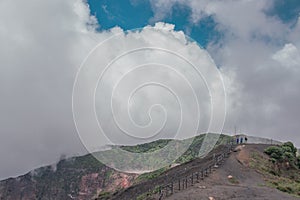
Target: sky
254, 43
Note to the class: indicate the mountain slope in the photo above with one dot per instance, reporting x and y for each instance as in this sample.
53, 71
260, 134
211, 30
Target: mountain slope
85, 177
75, 178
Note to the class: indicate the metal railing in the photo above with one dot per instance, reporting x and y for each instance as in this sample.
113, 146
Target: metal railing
186, 181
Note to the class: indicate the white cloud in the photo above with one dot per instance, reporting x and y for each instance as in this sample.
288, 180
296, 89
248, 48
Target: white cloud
260, 56
43, 44
288, 56
161, 36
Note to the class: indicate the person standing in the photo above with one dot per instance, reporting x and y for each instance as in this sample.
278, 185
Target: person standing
242, 140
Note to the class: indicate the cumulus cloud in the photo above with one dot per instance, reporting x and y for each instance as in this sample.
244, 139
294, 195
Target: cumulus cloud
288, 56
43, 45
260, 55
183, 70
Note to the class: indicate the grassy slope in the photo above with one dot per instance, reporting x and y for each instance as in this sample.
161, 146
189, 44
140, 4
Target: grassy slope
190, 154
283, 180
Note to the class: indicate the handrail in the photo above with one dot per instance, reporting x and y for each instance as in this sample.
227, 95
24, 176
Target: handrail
183, 183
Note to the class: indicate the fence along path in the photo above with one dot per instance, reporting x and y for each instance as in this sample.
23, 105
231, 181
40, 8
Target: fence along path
186, 180
184, 175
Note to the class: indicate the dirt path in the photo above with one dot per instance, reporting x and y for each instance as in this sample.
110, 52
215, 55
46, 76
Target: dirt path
168, 176
246, 183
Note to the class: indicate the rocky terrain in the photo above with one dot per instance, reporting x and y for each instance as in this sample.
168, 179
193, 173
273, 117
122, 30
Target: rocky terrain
236, 180
75, 178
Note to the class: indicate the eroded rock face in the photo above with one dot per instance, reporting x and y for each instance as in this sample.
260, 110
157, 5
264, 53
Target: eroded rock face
78, 178
18, 188
93, 184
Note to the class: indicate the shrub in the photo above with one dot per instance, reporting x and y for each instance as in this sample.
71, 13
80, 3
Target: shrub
289, 147
284, 153
275, 152
289, 156
285, 189
104, 195
298, 162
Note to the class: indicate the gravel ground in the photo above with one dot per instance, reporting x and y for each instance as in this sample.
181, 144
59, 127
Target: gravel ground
248, 183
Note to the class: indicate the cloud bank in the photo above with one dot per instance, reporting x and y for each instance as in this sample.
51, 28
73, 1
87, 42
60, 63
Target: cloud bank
41, 55
41, 46
260, 54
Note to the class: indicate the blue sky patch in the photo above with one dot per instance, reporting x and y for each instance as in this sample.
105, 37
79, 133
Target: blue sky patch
286, 10
128, 15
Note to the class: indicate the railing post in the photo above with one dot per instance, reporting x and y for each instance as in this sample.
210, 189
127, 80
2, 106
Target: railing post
168, 186
168, 189
160, 193
186, 180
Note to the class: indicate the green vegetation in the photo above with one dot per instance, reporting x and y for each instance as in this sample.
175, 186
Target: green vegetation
281, 171
194, 148
147, 147
285, 184
66, 178
144, 196
104, 195
284, 156
260, 163
184, 150
151, 175
191, 153
233, 180
108, 174
148, 194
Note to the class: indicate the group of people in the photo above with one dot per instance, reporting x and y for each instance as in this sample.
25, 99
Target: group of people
240, 140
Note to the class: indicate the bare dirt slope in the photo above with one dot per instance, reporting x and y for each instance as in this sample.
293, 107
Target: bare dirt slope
245, 184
